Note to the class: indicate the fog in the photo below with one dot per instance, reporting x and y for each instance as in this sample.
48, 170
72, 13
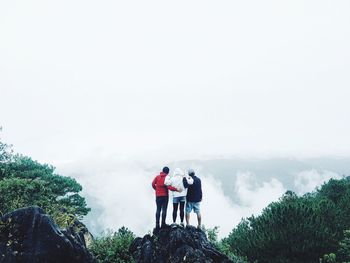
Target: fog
179, 80
109, 92
120, 192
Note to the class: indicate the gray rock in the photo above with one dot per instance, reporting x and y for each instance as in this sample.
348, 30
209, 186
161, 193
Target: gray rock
29, 235
175, 245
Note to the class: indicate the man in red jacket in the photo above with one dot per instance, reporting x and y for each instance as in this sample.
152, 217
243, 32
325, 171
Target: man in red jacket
162, 195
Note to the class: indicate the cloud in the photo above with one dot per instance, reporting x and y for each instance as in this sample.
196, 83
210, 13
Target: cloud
308, 180
115, 84
218, 81
120, 194
120, 190
220, 210
254, 194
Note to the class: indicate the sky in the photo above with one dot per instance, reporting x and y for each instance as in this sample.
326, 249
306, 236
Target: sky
152, 82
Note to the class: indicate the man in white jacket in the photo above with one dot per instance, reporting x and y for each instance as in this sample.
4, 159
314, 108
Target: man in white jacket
179, 198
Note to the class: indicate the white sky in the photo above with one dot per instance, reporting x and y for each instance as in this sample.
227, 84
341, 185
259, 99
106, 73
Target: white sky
84, 81
186, 77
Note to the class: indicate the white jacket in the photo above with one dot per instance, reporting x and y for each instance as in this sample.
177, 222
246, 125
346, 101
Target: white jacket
176, 180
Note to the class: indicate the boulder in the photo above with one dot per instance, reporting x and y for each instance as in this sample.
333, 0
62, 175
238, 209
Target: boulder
29, 235
175, 245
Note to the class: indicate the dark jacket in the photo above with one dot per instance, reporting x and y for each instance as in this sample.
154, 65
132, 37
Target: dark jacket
194, 192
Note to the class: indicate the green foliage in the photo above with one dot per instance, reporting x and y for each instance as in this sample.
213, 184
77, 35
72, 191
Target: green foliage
329, 258
25, 182
334, 190
5, 151
344, 247
296, 229
343, 253
212, 234
17, 193
338, 191
61, 190
222, 245
113, 247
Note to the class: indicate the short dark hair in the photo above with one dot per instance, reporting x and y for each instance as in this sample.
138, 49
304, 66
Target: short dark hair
166, 170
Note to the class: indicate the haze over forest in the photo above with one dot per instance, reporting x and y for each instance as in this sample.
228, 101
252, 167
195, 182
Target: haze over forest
254, 95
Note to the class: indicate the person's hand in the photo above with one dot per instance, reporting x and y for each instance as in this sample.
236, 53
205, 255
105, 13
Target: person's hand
178, 190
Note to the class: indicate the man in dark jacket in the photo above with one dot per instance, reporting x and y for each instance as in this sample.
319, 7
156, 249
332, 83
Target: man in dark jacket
194, 197
162, 196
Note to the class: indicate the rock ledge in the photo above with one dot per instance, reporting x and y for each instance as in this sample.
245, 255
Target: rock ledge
175, 245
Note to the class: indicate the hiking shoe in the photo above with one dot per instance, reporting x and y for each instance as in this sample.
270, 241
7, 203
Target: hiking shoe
182, 224
173, 225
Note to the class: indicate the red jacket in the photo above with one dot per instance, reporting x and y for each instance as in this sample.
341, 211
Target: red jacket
160, 187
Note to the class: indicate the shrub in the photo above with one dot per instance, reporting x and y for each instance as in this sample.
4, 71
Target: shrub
113, 247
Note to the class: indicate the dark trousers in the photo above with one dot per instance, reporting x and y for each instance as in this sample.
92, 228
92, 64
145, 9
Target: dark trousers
182, 212
162, 206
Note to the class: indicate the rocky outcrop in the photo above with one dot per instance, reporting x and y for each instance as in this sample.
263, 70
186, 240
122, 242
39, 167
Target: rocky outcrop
175, 245
29, 235
80, 232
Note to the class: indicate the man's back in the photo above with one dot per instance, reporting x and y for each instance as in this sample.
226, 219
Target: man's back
194, 197
194, 192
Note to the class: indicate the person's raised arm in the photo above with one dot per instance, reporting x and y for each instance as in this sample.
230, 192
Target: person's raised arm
185, 183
